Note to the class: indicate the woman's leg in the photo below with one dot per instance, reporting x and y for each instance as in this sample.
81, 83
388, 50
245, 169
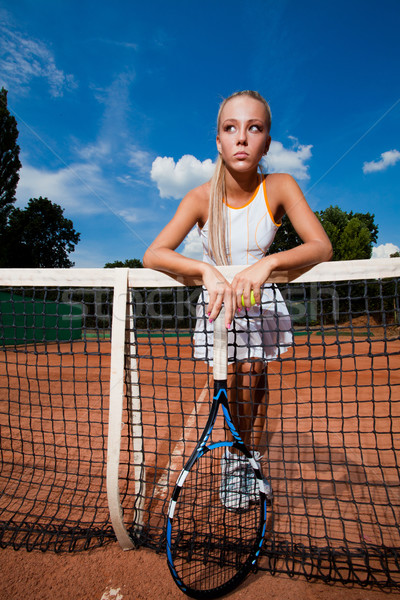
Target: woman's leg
248, 400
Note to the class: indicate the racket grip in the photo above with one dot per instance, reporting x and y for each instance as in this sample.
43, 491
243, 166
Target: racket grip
220, 359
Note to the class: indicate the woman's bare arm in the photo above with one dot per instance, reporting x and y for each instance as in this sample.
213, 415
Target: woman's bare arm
161, 253
285, 197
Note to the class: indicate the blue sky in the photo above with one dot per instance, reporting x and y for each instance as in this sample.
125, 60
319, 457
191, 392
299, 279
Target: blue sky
116, 105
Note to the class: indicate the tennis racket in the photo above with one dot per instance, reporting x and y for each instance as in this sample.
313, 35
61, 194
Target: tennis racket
218, 510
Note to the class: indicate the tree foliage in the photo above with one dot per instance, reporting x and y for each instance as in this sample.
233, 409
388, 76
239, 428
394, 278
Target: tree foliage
9, 159
131, 263
351, 234
39, 236
286, 237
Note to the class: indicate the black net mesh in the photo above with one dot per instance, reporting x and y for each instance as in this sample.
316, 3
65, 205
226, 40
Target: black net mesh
329, 444
54, 387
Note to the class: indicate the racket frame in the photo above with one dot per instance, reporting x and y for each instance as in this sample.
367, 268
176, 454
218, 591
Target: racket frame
220, 399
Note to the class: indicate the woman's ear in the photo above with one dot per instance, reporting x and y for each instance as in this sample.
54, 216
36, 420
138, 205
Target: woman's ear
218, 144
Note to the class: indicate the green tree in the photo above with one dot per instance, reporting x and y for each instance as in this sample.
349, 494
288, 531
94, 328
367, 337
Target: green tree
9, 155
286, 237
131, 263
354, 241
351, 234
39, 236
369, 222
9, 163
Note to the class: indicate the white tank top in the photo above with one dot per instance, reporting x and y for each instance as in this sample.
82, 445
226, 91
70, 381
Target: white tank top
250, 230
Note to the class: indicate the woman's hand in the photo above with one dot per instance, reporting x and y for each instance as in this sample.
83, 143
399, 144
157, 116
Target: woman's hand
220, 293
250, 280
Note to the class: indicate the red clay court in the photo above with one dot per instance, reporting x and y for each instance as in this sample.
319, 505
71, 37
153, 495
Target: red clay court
331, 443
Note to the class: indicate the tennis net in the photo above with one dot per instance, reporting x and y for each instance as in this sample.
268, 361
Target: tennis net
102, 401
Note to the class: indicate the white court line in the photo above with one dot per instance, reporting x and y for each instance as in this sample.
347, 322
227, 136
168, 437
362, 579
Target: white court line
112, 594
161, 489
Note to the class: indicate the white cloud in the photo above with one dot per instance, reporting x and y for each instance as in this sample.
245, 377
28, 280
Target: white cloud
136, 214
105, 172
384, 250
288, 160
139, 159
79, 188
99, 150
192, 246
174, 180
130, 216
23, 59
388, 159
117, 106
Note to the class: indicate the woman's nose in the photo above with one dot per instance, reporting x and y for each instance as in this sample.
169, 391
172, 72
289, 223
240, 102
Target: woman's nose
242, 136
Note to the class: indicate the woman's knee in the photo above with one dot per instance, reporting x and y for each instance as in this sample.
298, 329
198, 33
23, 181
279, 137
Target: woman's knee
252, 367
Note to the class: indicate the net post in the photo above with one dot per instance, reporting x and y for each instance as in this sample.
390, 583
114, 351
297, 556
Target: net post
116, 406
135, 408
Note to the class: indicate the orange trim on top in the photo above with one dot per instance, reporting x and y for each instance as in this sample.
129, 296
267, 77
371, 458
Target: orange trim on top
247, 203
267, 203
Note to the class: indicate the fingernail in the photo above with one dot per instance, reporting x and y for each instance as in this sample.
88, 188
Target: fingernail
229, 325
210, 320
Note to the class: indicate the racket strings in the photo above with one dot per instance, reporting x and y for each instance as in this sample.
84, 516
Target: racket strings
210, 543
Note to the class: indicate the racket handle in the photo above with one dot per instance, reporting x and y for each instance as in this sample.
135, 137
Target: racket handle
220, 359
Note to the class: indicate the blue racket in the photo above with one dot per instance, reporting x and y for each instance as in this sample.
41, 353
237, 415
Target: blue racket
218, 510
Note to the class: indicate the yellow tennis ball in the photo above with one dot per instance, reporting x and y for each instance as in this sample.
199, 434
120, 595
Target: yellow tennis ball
252, 299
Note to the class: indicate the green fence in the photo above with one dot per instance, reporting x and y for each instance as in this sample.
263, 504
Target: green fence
24, 319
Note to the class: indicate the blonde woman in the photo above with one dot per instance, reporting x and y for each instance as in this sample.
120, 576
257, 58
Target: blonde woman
238, 214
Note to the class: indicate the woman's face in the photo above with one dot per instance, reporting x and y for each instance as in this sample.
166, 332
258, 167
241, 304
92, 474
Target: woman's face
243, 136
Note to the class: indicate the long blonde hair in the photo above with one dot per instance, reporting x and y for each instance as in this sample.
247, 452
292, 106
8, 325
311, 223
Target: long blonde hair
216, 213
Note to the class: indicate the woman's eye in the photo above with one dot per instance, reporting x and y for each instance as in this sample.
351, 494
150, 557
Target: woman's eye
229, 128
255, 128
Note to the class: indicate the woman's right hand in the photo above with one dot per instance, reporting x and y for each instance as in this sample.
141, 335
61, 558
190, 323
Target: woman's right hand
220, 293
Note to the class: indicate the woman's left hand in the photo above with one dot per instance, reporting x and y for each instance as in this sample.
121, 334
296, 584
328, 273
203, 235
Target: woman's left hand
250, 280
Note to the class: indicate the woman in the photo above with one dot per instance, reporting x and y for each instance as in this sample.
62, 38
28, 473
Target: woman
238, 213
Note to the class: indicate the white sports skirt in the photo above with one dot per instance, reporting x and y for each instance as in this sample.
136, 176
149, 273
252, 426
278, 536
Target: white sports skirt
259, 333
